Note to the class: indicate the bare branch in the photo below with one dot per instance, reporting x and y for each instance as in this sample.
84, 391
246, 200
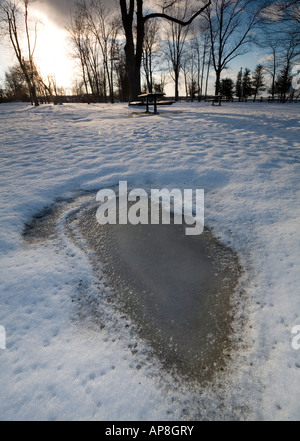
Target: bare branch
174, 19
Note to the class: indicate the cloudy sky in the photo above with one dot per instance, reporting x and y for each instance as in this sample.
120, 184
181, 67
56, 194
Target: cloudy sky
57, 10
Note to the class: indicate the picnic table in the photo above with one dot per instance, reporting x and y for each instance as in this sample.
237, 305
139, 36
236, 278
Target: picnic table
217, 99
151, 100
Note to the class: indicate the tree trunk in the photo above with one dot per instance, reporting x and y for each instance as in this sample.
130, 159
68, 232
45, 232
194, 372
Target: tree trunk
207, 74
200, 82
218, 82
133, 58
134, 75
34, 95
186, 84
30, 84
176, 85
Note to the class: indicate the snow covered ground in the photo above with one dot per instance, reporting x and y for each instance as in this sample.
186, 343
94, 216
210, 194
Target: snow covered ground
246, 158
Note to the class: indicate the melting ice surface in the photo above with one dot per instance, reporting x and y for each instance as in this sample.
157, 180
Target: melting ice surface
175, 288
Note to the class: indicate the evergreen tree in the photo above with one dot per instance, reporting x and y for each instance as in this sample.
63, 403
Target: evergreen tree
239, 85
258, 83
247, 84
226, 88
283, 83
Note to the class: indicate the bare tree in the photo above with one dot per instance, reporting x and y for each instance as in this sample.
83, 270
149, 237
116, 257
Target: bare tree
230, 24
290, 52
48, 86
93, 29
206, 56
76, 30
135, 41
272, 43
284, 10
196, 61
78, 87
122, 82
194, 64
293, 10
14, 26
151, 51
15, 84
162, 82
284, 49
104, 25
175, 36
87, 51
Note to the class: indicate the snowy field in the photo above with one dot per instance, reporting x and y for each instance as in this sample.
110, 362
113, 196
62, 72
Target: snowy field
246, 158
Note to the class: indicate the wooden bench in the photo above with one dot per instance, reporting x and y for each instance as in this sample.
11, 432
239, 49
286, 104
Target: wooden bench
151, 100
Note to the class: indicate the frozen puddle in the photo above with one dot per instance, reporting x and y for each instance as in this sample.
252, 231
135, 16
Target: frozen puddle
176, 289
